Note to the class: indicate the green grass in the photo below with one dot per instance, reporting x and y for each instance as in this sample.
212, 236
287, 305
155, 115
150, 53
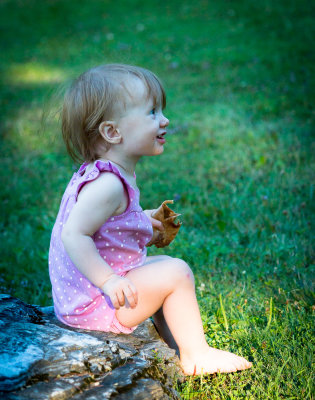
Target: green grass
240, 82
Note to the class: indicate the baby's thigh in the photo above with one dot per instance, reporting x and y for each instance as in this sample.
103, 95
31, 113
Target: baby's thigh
162, 271
154, 281
154, 259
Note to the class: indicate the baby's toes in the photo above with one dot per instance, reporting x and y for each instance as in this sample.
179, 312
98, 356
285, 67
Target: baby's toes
226, 366
244, 364
238, 362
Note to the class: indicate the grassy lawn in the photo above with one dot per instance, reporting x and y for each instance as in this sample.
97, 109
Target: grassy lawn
240, 82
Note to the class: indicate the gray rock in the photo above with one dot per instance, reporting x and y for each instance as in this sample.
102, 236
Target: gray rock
43, 359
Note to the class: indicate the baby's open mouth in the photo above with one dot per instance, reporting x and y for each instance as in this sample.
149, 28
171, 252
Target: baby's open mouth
161, 136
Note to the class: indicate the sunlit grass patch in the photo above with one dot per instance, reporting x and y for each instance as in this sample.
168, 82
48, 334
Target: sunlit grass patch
33, 73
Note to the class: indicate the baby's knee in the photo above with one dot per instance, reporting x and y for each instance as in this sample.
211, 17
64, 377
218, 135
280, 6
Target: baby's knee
182, 270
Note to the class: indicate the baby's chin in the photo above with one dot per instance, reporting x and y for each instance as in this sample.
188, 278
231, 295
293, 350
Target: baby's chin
156, 152
159, 149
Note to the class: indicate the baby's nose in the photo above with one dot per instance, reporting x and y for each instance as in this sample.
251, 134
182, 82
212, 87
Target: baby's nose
164, 121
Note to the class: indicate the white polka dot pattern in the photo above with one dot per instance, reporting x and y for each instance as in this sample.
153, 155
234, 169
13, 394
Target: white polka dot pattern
120, 241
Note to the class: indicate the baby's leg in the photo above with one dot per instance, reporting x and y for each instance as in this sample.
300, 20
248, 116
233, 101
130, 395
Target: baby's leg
169, 283
163, 329
158, 317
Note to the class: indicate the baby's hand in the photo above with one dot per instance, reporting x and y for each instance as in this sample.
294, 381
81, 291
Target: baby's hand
119, 289
156, 224
164, 217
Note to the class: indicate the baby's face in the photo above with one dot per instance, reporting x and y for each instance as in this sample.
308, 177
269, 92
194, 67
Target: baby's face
142, 125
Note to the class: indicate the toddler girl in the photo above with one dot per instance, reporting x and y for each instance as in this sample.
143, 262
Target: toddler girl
101, 276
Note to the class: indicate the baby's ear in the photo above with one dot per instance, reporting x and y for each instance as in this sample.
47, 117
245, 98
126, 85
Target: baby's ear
110, 132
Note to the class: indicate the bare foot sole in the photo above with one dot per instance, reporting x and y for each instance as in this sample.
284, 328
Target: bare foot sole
212, 361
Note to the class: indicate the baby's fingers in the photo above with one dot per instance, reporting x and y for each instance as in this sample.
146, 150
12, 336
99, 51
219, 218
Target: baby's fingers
157, 224
115, 301
132, 295
120, 298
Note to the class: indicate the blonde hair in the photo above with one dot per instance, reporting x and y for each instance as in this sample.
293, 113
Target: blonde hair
97, 95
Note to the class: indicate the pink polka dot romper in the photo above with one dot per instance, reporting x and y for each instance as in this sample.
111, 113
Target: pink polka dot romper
120, 241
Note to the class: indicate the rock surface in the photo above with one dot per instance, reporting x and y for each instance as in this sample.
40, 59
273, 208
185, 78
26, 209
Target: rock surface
43, 359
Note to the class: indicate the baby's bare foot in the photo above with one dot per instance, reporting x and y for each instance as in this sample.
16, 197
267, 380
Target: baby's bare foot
212, 361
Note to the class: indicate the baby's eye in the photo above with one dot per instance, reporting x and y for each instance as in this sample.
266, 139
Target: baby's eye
153, 111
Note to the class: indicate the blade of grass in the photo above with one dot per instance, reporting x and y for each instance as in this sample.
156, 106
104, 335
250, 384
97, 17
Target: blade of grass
270, 314
226, 325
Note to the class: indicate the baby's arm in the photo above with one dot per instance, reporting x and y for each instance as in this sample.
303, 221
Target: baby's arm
97, 201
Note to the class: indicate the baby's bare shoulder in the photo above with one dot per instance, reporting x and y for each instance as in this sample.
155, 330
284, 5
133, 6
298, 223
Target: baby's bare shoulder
107, 187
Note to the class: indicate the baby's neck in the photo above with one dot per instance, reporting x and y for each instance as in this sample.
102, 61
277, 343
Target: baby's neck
126, 164
127, 169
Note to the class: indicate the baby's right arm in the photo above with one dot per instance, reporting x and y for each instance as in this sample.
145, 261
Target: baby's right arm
97, 201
